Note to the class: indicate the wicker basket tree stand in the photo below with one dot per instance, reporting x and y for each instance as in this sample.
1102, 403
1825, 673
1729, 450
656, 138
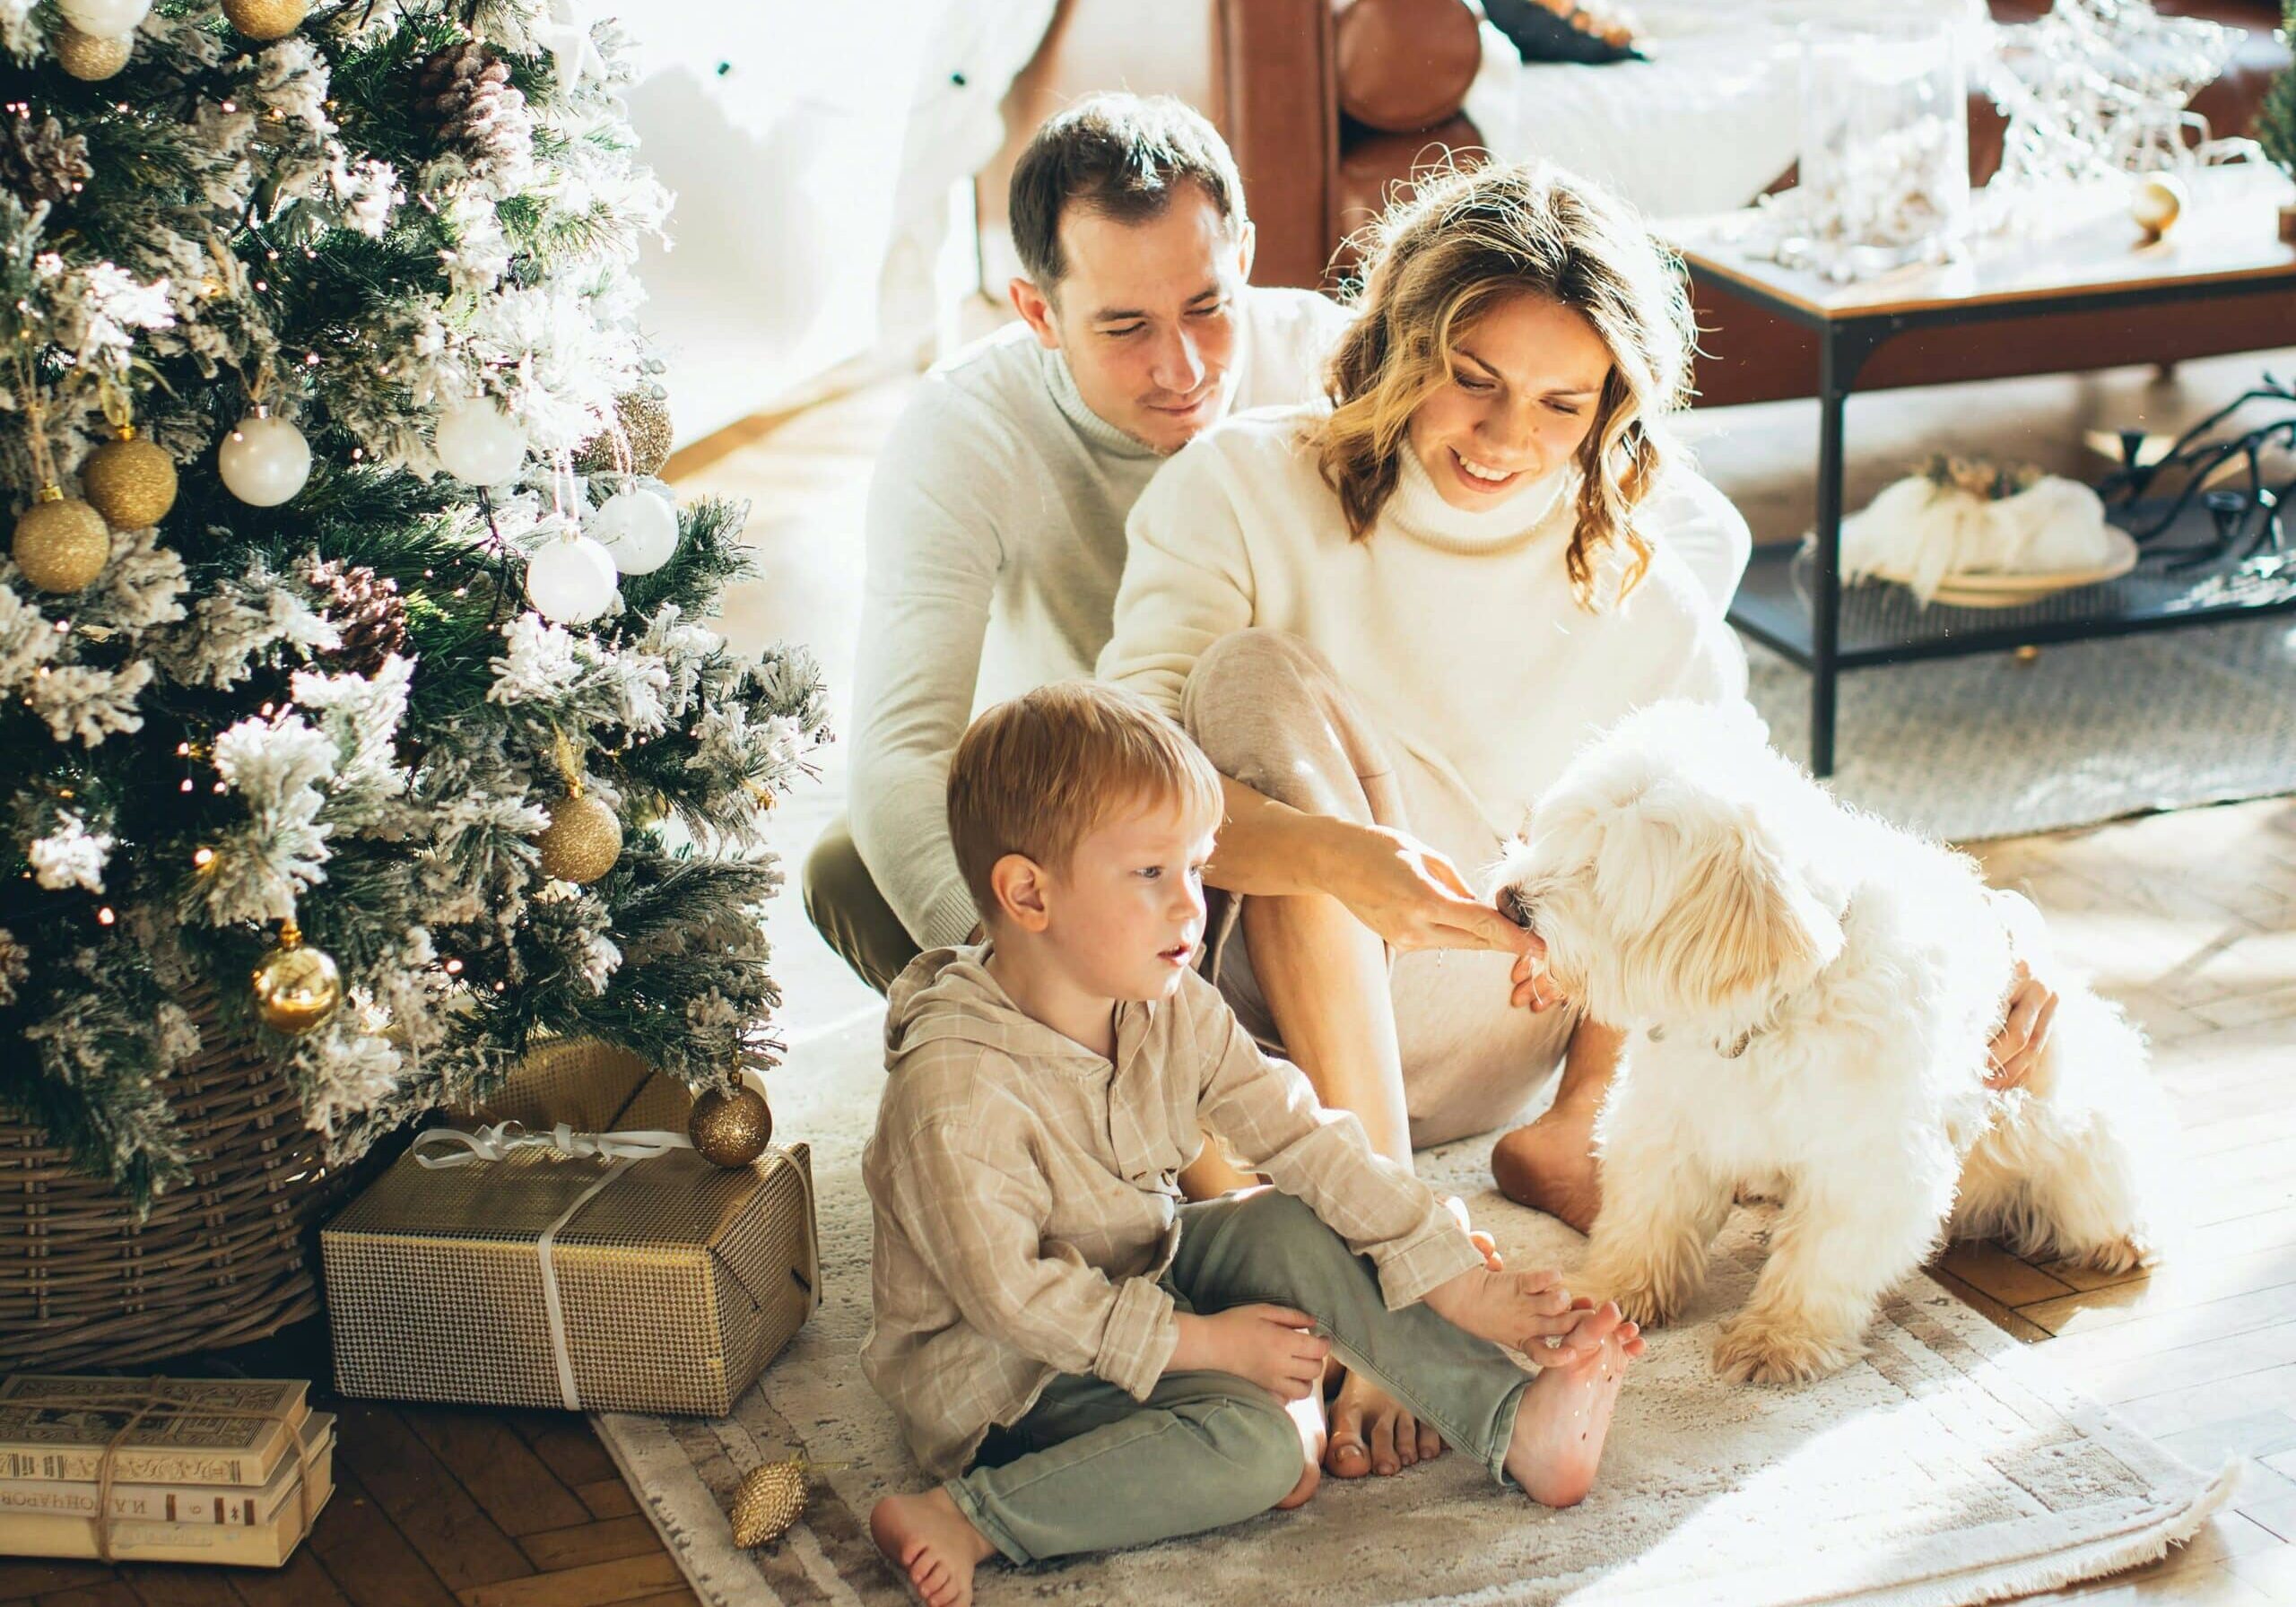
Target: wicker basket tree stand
227, 1256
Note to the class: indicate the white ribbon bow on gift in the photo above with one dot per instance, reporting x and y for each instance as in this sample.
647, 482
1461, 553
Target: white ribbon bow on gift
499, 1141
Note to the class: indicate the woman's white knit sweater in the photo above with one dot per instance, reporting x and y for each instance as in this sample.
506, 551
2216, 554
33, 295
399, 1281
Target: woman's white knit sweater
1456, 631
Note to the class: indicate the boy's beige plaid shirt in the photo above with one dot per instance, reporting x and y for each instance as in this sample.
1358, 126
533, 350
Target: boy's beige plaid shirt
1025, 1193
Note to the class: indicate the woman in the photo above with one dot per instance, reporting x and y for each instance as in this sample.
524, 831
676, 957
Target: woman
1390, 619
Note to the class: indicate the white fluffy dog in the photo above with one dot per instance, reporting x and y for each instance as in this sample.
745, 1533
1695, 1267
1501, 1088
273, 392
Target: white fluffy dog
1809, 994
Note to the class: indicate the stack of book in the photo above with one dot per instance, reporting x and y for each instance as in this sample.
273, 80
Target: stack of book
218, 1470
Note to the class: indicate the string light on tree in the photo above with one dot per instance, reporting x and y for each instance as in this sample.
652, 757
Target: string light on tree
639, 529
265, 461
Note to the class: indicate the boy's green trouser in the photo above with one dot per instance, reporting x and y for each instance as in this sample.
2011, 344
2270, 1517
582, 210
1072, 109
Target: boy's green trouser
1089, 1467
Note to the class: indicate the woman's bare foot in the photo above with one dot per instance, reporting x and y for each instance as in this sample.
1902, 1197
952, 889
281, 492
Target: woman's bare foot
933, 1543
1550, 1166
1564, 1419
1372, 1433
1308, 1413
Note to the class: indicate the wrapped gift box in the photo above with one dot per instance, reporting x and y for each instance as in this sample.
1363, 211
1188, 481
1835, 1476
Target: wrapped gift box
661, 1283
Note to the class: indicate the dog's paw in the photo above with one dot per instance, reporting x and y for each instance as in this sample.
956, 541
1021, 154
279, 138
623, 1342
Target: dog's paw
2119, 1255
1748, 1351
1644, 1306
1643, 1297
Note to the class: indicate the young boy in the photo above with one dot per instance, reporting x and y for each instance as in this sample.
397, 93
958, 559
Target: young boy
1111, 1363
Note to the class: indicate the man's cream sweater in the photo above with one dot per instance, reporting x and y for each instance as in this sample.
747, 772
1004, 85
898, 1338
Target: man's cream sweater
996, 538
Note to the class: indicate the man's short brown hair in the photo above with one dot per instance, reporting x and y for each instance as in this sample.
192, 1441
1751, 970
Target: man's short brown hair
1121, 156
1035, 775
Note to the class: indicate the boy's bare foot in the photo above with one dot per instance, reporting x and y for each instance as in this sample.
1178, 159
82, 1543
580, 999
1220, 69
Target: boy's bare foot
1308, 1414
1372, 1433
933, 1543
1549, 1166
1564, 1419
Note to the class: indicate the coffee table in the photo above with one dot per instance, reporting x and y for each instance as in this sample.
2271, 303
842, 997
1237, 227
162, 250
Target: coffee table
2225, 246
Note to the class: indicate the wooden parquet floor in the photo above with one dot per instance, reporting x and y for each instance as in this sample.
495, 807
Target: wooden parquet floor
2189, 919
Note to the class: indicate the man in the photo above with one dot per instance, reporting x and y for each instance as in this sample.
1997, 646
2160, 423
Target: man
996, 521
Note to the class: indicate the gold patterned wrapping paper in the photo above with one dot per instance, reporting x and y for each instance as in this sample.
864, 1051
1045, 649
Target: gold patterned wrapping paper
676, 1283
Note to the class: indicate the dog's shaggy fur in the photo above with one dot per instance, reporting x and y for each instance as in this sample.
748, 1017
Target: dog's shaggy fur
1809, 996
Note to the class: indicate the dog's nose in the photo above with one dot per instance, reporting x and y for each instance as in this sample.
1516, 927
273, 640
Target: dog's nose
1511, 906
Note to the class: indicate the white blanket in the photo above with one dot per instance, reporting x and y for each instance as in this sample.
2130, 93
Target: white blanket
1708, 122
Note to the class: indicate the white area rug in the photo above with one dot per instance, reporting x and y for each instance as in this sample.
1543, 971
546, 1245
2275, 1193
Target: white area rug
1948, 1469
1973, 748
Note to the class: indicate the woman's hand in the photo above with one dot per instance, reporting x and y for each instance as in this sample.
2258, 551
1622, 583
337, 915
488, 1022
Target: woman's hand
2017, 1047
1412, 896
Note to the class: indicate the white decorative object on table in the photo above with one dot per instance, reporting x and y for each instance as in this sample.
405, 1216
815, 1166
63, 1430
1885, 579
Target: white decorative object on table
1977, 537
265, 461
1884, 165
570, 579
638, 527
478, 445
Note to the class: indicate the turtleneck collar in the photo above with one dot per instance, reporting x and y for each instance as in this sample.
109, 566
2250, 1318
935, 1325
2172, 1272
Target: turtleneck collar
1417, 510
1103, 435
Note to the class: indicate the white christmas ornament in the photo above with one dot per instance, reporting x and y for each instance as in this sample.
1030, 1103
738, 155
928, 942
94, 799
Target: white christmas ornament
106, 19
264, 461
570, 579
639, 528
478, 445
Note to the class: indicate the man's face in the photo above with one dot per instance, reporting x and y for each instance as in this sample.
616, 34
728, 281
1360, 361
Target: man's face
1146, 316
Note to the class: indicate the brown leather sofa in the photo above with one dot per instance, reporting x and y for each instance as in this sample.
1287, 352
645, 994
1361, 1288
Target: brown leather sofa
1330, 103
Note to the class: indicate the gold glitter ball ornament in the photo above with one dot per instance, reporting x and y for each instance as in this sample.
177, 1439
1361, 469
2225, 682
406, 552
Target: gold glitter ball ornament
91, 57
296, 986
770, 1498
638, 441
582, 840
265, 19
61, 543
730, 1129
2156, 204
129, 481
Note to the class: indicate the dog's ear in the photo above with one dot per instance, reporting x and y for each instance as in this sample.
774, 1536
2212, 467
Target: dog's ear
1740, 922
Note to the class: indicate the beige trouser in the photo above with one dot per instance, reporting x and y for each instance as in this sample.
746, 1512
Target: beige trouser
1269, 711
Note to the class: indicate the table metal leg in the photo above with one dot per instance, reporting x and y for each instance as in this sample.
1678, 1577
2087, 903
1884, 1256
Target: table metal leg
1825, 570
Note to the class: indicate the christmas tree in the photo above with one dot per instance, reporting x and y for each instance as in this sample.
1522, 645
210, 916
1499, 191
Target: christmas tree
2275, 128
357, 701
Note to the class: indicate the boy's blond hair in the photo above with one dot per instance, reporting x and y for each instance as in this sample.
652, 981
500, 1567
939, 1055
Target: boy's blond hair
1034, 774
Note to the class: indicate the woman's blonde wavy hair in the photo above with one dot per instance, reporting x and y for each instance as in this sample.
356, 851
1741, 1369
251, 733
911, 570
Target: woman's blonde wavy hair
1464, 241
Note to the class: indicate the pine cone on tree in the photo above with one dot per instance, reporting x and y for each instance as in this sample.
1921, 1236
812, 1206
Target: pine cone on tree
464, 93
38, 161
365, 607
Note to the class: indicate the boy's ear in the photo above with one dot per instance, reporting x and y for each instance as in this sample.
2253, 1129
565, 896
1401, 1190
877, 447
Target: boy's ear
1018, 885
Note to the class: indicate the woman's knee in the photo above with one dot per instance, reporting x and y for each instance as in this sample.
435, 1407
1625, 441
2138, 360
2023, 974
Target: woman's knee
1243, 682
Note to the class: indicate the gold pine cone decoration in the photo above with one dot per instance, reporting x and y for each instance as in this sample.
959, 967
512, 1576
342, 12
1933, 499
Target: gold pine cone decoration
730, 1129
130, 481
582, 840
265, 19
296, 986
61, 544
638, 442
91, 57
770, 1498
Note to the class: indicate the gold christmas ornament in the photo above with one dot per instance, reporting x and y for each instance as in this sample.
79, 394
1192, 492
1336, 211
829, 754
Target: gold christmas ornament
730, 1129
582, 840
265, 19
2157, 203
296, 987
129, 481
770, 1498
638, 441
88, 57
61, 543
